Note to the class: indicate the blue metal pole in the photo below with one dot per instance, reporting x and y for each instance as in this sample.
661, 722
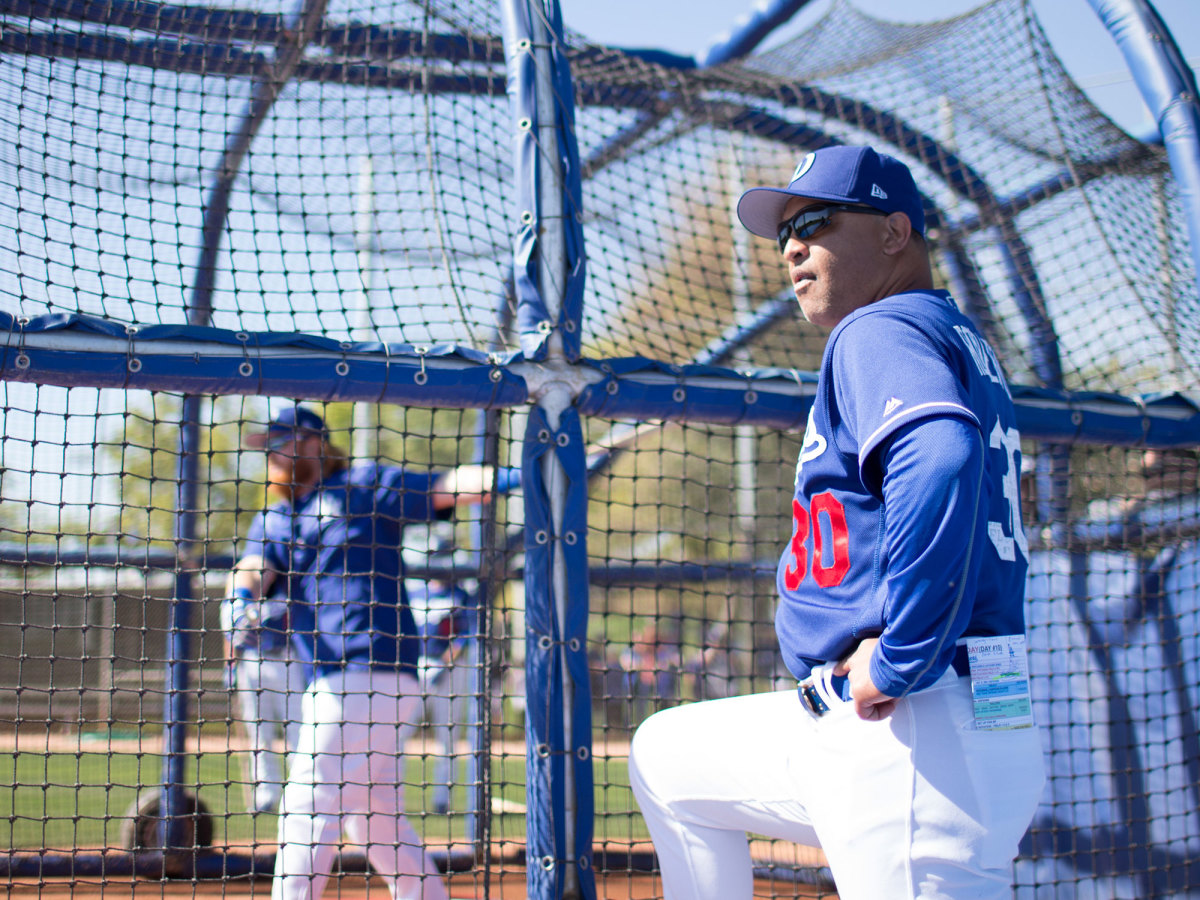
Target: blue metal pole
750, 30
175, 702
1168, 85
299, 29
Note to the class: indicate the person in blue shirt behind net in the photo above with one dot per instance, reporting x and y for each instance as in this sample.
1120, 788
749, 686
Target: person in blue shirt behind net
902, 584
447, 618
332, 546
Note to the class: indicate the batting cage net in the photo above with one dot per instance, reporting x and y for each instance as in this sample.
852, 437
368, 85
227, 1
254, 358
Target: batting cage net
209, 213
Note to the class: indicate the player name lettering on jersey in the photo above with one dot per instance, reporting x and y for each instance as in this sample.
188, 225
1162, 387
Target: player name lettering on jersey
984, 357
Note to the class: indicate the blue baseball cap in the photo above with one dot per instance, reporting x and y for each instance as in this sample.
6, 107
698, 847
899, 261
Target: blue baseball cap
856, 175
292, 422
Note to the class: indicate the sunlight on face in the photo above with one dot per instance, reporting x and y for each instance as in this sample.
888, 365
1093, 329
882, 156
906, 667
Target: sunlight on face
833, 271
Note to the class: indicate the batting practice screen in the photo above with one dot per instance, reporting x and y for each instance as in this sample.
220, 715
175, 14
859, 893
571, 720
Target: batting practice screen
460, 234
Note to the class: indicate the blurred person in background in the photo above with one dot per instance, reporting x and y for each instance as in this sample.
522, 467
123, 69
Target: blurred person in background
268, 683
333, 540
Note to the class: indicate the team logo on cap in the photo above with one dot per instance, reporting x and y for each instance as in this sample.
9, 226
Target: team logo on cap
804, 166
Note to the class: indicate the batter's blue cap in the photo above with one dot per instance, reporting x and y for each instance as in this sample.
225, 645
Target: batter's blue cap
294, 421
856, 175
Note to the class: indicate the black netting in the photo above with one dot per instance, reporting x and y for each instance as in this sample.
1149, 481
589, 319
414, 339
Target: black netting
376, 199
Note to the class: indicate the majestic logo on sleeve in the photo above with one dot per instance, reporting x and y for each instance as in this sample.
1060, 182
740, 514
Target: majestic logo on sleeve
891, 406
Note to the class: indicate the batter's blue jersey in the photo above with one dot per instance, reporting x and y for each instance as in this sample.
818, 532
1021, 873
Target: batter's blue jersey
888, 368
338, 548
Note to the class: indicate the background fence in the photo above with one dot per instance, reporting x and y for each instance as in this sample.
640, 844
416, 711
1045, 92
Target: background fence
465, 233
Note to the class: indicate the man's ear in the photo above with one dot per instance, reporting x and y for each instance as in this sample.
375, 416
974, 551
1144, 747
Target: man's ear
898, 234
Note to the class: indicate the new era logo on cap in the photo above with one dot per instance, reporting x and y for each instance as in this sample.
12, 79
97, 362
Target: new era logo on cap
877, 191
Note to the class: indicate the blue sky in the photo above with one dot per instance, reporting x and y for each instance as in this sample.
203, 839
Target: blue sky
1087, 50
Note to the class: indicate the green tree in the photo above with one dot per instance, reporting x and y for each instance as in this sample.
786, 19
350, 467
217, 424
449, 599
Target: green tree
686, 268
145, 454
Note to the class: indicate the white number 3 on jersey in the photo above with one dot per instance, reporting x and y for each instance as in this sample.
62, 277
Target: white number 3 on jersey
1010, 442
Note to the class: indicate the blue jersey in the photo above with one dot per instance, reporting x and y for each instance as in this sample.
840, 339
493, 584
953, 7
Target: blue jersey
905, 384
442, 612
338, 550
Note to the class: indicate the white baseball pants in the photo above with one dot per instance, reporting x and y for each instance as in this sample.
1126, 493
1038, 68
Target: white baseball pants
919, 805
451, 704
348, 773
269, 693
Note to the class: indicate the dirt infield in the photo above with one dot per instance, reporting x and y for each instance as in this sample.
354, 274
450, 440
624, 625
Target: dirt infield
504, 885
505, 879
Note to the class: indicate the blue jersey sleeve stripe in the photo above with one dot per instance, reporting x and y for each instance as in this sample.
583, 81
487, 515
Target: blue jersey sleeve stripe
911, 414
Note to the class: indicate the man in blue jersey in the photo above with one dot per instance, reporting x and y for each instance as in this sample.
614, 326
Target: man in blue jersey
332, 546
908, 752
447, 623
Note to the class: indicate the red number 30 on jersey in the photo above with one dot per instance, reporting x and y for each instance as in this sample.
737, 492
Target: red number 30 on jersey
826, 518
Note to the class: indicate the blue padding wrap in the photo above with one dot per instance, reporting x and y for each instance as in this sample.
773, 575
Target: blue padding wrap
570, 319
534, 320
217, 361
518, 43
86, 351
1155, 420
551, 645
644, 389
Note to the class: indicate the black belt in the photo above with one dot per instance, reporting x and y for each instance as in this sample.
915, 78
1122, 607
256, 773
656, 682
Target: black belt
811, 699
961, 663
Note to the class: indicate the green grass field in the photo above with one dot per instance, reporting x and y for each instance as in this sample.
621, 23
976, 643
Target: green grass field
70, 800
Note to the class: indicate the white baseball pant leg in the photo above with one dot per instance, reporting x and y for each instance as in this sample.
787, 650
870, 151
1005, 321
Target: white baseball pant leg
348, 770
919, 805
451, 704
262, 685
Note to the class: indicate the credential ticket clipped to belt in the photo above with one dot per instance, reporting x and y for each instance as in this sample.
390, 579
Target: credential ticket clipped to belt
1000, 682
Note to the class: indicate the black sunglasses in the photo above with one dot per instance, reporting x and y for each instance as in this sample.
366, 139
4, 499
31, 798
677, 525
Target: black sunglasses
812, 219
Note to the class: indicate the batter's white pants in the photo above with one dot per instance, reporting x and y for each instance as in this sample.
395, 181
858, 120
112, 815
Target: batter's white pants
919, 805
452, 703
348, 772
269, 694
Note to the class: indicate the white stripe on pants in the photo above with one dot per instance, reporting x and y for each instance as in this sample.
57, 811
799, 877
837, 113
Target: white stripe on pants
349, 772
919, 805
